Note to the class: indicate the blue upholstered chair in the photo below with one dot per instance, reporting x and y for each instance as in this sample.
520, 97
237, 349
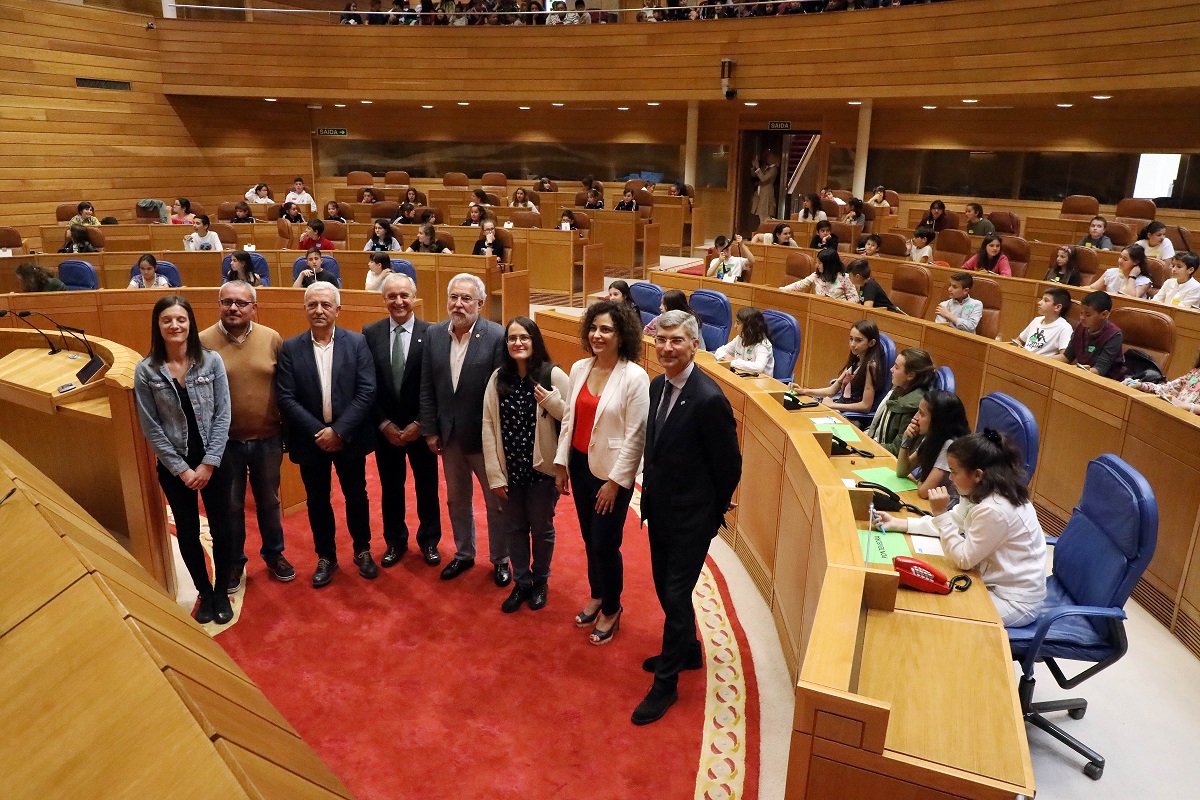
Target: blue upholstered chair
164, 268
648, 299
716, 317
402, 266
78, 275
328, 263
784, 332
863, 418
1103, 551
1002, 413
943, 379
257, 262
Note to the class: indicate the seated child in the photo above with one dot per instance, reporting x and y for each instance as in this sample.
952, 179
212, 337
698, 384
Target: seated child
241, 214
1129, 277
315, 236
989, 258
333, 212
912, 376
870, 245
291, 212
750, 349
1096, 343
1097, 235
314, 271
830, 280
726, 266
627, 202
1065, 268
1153, 239
872, 294
201, 238
259, 194
594, 199
823, 236
147, 276
940, 419
1182, 288
961, 311
919, 249
854, 388
1048, 334
1183, 392
85, 215
781, 235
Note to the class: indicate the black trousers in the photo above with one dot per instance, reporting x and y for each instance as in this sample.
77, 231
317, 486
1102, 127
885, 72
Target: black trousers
318, 485
185, 506
393, 472
676, 560
602, 533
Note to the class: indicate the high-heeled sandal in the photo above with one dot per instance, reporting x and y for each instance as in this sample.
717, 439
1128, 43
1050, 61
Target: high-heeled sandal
599, 637
583, 619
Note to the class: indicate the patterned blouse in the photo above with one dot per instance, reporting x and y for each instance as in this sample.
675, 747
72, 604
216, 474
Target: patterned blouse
1184, 389
841, 289
518, 423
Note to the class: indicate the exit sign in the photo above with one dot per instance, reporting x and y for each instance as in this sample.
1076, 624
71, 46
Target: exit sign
779, 125
331, 131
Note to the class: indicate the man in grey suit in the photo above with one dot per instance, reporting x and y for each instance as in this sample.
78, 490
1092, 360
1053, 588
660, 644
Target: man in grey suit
460, 356
326, 385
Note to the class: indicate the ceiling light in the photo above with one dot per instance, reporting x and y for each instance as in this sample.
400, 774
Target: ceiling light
929, 108
970, 101
557, 105
1065, 105
269, 99
651, 104
855, 103
367, 102
752, 104
426, 106
339, 105
622, 108
1102, 97
464, 104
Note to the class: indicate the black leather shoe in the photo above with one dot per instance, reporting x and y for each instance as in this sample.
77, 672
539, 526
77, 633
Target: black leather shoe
236, 573
204, 611
366, 564
392, 556
696, 662
432, 558
541, 593
503, 574
281, 570
520, 594
655, 704
324, 573
222, 610
457, 567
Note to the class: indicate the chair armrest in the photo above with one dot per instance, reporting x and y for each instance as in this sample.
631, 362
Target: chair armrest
1044, 623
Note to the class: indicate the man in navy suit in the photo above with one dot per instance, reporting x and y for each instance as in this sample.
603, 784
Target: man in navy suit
460, 356
396, 344
326, 384
692, 466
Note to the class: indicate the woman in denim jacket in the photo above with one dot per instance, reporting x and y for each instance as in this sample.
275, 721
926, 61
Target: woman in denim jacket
183, 406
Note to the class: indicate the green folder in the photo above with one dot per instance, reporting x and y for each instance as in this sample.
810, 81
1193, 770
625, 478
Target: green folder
886, 477
847, 433
881, 548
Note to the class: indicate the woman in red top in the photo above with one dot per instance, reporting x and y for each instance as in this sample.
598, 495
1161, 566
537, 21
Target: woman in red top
600, 450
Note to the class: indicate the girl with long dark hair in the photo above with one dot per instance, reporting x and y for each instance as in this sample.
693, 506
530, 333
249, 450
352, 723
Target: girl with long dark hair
940, 419
854, 388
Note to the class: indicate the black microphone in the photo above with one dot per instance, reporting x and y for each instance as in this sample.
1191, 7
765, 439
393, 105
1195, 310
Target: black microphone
94, 364
22, 315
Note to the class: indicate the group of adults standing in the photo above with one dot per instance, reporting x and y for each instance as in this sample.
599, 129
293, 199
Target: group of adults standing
219, 405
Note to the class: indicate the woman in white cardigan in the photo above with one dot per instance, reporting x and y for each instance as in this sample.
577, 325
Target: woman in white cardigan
600, 450
522, 408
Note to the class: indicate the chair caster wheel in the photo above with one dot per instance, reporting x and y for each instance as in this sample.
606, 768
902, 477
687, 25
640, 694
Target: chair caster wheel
1093, 770
1077, 713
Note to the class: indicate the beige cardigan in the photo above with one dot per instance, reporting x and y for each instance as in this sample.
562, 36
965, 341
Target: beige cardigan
619, 433
545, 438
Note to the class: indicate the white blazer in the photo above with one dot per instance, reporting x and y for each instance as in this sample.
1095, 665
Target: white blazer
619, 433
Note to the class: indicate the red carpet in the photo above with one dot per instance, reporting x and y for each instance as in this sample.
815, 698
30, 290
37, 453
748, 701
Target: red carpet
413, 687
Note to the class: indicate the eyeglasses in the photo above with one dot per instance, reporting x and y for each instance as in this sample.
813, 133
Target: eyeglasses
466, 298
674, 341
229, 302
520, 338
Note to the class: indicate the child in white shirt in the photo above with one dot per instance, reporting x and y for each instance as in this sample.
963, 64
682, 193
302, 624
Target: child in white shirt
201, 238
750, 350
728, 267
259, 193
1129, 277
919, 249
961, 311
300, 197
1049, 334
1153, 239
1182, 288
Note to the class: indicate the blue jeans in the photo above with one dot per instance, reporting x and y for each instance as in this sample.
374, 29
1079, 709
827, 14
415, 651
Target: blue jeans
261, 458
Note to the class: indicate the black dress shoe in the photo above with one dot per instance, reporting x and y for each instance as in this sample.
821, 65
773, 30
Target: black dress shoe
655, 704
503, 574
204, 611
457, 567
281, 570
366, 564
393, 555
431, 555
324, 574
520, 594
695, 662
222, 610
539, 596
236, 573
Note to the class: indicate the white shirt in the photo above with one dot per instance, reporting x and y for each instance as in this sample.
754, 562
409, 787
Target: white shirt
733, 268
252, 197
759, 358
1046, 338
194, 241
458, 352
1114, 281
301, 199
679, 381
406, 339
374, 280
921, 254
1164, 252
1174, 293
324, 357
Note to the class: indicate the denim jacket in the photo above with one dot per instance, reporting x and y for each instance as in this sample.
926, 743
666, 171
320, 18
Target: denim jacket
163, 421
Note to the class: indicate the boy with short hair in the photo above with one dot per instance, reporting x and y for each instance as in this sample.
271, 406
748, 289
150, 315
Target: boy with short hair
627, 202
314, 271
870, 245
201, 238
976, 224
1048, 334
872, 294
823, 236
85, 215
1095, 344
919, 249
728, 267
315, 236
961, 311
300, 197
1097, 235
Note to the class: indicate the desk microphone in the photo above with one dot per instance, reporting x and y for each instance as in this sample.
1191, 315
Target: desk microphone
94, 364
22, 316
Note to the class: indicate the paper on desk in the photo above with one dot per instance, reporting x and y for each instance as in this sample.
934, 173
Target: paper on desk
886, 477
927, 546
849, 483
824, 420
847, 433
881, 548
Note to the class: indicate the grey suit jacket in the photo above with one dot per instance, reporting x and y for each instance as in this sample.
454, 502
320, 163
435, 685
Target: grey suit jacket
457, 415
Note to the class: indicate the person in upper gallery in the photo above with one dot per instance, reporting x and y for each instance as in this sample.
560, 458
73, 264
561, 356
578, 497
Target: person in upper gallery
183, 407
1049, 333
1097, 235
870, 292
594, 201
427, 241
35, 279
940, 419
1095, 344
520, 199
382, 238
489, 244
181, 211
77, 241
854, 213
315, 236
291, 213
959, 310
994, 528
1182, 288
823, 236
810, 208
241, 268
935, 218
781, 234
1130, 277
333, 212
912, 376
878, 198
830, 280
750, 348
854, 388
989, 258
259, 194
599, 451
618, 292
1065, 269
1183, 392
250, 351
379, 266
764, 173
397, 345
147, 276
580, 16
976, 224
201, 238
299, 195
325, 380
692, 467
315, 271
726, 266
350, 15
523, 406
241, 214
85, 214
1153, 239
377, 16
627, 202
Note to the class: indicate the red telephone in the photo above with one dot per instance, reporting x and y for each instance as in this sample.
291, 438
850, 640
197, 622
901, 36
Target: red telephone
926, 577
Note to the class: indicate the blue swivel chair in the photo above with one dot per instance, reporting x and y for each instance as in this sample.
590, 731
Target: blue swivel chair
1002, 413
257, 262
402, 266
648, 299
328, 263
1103, 551
78, 275
164, 268
863, 418
944, 379
716, 317
784, 332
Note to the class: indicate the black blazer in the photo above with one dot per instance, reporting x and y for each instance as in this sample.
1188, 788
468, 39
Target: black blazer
458, 415
405, 407
693, 464
299, 389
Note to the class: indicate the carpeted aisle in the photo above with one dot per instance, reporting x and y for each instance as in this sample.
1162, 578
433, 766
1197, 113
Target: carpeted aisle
413, 687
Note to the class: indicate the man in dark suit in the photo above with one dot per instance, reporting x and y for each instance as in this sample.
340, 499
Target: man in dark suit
326, 386
692, 466
460, 355
396, 343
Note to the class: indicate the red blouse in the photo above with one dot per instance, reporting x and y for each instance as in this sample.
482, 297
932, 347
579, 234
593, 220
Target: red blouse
585, 417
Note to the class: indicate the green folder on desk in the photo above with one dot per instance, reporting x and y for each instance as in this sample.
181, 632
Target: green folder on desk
842, 430
886, 477
881, 548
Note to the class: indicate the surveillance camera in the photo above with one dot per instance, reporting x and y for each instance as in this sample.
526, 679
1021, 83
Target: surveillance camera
731, 94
